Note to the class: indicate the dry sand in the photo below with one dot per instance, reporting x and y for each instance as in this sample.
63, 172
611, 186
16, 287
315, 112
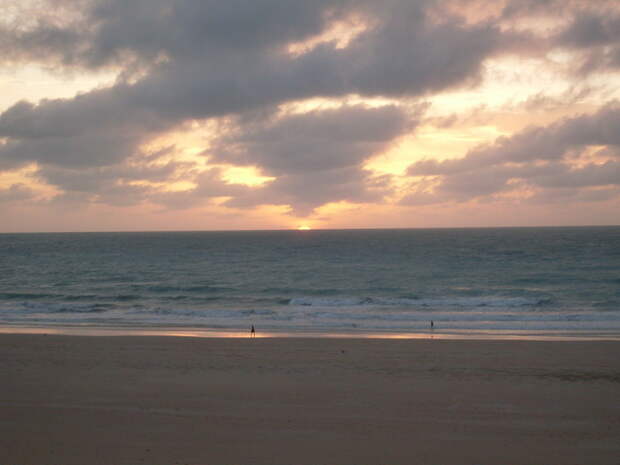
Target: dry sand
165, 400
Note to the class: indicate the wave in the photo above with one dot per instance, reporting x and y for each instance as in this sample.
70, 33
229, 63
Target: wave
315, 317
446, 302
203, 314
325, 321
127, 297
164, 289
611, 304
463, 317
289, 291
43, 308
25, 295
76, 298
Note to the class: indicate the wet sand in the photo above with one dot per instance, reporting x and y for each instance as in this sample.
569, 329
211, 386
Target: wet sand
169, 400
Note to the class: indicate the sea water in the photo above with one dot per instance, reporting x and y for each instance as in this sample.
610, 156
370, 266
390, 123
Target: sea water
345, 281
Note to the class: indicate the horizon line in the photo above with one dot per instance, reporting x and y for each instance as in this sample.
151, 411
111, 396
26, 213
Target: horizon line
421, 228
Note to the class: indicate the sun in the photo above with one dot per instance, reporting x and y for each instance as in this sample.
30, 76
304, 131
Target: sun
304, 227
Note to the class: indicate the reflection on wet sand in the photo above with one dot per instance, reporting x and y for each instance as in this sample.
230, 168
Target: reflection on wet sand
234, 333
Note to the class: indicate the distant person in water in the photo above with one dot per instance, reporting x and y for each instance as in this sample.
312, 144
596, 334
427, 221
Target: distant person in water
252, 332
432, 325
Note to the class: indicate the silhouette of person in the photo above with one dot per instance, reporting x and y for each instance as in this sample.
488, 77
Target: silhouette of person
252, 332
432, 325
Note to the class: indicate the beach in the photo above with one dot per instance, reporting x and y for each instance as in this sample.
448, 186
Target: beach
173, 400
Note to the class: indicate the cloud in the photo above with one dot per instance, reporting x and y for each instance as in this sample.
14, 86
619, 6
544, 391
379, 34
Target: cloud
596, 36
15, 193
229, 57
566, 196
318, 140
535, 144
401, 53
591, 30
207, 60
48, 31
317, 157
96, 33
209, 185
94, 129
542, 158
86, 147
98, 180
225, 61
303, 193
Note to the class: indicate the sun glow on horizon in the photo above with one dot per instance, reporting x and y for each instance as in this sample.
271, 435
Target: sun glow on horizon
304, 227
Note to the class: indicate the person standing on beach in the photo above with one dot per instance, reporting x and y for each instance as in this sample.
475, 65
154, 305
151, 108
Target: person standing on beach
252, 332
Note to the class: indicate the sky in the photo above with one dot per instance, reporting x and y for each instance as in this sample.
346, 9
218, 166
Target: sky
280, 114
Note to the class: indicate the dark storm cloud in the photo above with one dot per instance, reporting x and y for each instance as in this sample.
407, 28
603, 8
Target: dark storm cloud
539, 157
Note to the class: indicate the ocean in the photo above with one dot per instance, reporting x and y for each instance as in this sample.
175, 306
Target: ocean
494, 281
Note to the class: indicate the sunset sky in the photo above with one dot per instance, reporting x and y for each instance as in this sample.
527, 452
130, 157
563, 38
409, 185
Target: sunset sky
277, 114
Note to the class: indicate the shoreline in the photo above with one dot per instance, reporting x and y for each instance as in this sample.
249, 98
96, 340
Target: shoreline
197, 332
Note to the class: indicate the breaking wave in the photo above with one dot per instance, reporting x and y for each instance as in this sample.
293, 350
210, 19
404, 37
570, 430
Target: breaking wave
458, 302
